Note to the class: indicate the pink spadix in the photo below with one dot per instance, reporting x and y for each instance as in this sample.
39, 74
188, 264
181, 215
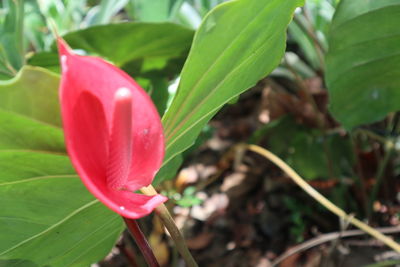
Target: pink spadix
113, 132
120, 151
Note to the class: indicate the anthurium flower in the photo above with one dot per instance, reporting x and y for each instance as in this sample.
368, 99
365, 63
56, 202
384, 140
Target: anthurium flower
113, 132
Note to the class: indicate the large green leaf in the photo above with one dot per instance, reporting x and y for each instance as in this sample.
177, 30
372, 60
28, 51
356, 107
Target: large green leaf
147, 42
43, 203
238, 43
29, 112
363, 63
136, 47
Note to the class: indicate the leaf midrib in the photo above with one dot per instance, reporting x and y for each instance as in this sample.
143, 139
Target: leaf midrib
217, 60
38, 178
211, 111
255, 52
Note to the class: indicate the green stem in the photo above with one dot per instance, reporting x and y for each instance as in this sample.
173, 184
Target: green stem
310, 32
7, 73
359, 174
20, 29
320, 198
173, 230
379, 176
5, 62
141, 241
372, 135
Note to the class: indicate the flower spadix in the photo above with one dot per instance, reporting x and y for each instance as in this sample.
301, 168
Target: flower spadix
113, 132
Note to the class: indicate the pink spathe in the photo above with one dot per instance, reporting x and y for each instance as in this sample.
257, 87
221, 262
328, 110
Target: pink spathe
113, 132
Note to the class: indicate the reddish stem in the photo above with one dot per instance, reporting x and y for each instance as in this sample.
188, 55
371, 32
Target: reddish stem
141, 241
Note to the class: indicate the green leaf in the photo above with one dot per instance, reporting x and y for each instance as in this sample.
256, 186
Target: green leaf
133, 41
29, 112
44, 203
159, 94
151, 11
363, 63
11, 37
169, 170
105, 11
238, 43
34, 24
305, 42
47, 60
141, 49
313, 154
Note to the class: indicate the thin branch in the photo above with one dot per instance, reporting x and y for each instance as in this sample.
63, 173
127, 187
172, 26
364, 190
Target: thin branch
324, 238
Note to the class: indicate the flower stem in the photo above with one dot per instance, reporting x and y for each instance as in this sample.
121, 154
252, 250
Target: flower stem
320, 198
141, 241
173, 230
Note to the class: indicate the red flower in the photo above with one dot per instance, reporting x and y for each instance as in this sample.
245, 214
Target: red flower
113, 132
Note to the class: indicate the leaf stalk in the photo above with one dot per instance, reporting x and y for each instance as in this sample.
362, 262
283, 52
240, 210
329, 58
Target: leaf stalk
173, 230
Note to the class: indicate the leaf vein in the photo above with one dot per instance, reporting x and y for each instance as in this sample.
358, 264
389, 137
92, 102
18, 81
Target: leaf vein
72, 214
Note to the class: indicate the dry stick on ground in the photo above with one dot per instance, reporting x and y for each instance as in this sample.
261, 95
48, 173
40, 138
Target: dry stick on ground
327, 238
319, 197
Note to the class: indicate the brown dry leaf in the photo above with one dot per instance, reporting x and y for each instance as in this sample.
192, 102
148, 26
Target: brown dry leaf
238, 184
216, 202
160, 249
315, 85
244, 235
320, 94
231, 181
314, 258
200, 241
186, 176
290, 261
275, 103
263, 262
